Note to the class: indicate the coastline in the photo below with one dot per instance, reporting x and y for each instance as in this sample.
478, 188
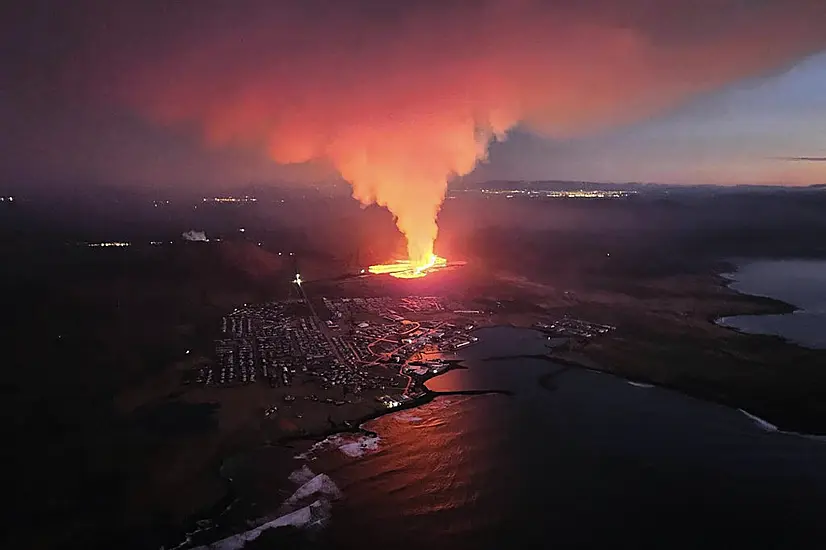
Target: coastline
801, 322
205, 520
726, 279
781, 422
546, 381
211, 513
642, 382
647, 383
791, 422
769, 427
766, 306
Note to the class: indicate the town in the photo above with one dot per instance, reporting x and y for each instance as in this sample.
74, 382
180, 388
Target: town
343, 346
345, 351
573, 328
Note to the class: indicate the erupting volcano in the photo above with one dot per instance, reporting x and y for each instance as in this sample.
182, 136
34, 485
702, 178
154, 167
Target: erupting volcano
398, 98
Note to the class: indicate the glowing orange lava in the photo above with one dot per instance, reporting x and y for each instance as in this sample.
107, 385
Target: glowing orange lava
406, 269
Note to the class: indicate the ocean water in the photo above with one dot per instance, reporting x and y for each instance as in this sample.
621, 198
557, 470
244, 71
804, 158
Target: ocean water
801, 283
583, 460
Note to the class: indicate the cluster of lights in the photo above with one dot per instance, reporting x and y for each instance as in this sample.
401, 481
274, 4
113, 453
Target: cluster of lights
405, 269
106, 244
576, 194
6, 199
245, 198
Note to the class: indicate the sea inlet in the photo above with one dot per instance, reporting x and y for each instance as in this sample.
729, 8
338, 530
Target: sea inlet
801, 283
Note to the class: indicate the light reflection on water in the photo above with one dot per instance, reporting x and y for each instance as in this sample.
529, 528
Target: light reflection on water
594, 463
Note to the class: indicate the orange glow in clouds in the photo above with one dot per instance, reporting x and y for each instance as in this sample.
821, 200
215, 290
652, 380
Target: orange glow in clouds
400, 100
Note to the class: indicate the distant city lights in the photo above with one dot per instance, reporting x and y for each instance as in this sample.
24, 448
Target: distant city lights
245, 198
6, 199
107, 244
547, 194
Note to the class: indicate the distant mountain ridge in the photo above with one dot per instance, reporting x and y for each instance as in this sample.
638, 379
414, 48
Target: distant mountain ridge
560, 185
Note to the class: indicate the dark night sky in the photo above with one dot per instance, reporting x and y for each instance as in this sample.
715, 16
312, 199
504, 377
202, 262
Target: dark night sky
191, 93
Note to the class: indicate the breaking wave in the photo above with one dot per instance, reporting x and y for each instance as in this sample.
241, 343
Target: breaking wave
307, 508
763, 424
360, 447
769, 427
319, 487
316, 513
352, 445
302, 475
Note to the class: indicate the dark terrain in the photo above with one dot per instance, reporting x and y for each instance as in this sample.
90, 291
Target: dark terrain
98, 452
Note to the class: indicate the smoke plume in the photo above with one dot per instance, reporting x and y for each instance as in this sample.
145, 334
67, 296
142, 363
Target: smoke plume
400, 96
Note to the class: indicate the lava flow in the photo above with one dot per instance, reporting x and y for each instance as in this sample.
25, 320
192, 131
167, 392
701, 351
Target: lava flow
406, 269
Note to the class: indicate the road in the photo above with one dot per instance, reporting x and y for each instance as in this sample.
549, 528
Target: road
342, 361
